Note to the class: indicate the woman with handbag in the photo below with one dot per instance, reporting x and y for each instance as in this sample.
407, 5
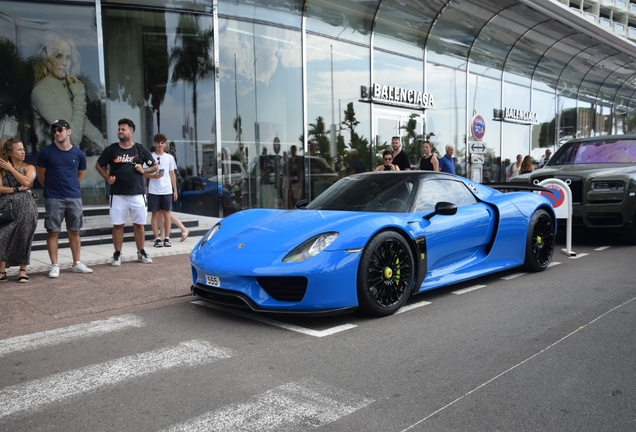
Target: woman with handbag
16, 236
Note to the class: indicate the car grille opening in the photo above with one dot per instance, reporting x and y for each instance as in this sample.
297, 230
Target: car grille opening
288, 288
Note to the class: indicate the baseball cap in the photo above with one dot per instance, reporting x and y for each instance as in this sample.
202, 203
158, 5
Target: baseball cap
62, 123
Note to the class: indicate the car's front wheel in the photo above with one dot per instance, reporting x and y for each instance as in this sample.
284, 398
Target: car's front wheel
540, 241
385, 275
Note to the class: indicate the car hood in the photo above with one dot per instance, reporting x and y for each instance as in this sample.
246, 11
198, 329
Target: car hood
586, 170
283, 230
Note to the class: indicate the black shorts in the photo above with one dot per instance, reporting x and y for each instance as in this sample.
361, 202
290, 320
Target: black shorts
159, 202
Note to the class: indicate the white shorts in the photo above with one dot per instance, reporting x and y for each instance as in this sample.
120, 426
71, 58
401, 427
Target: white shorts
120, 205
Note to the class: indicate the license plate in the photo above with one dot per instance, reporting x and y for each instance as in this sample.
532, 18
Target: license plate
212, 281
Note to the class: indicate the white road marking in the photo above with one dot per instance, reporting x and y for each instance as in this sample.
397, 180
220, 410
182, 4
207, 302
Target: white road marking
469, 289
602, 248
553, 263
64, 385
292, 327
513, 276
412, 306
521, 363
302, 405
579, 256
67, 334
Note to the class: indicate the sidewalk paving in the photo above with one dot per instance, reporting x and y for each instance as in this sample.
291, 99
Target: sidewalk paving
44, 303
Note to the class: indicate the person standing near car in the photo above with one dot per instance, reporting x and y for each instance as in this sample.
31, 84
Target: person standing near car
545, 158
162, 191
400, 158
125, 161
428, 161
446, 163
61, 167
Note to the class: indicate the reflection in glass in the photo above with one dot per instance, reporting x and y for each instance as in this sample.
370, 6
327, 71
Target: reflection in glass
448, 120
167, 86
261, 96
516, 136
342, 19
184, 5
279, 12
483, 95
402, 27
335, 72
50, 71
543, 134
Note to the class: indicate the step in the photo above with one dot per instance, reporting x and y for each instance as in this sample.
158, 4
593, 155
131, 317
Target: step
97, 228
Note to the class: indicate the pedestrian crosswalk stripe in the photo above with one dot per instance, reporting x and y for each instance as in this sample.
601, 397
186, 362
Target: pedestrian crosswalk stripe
66, 334
36, 394
301, 405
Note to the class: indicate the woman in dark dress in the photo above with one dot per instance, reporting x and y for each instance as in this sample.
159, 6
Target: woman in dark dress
16, 237
428, 161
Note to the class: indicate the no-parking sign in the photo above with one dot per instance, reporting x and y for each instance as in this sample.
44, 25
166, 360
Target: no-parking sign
560, 198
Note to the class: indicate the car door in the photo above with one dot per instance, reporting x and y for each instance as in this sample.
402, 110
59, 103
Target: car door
454, 243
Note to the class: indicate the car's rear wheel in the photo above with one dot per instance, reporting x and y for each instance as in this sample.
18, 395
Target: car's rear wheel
540, 241
385, 275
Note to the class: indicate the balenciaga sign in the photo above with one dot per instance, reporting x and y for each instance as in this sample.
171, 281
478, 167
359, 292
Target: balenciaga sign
512, 115
396, 96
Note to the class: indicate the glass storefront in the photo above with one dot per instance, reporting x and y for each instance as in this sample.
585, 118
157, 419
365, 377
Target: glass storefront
266, 103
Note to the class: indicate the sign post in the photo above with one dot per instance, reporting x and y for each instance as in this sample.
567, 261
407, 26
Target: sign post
561, 201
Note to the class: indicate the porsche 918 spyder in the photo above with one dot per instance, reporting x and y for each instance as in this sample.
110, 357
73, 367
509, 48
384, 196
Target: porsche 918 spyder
369, 242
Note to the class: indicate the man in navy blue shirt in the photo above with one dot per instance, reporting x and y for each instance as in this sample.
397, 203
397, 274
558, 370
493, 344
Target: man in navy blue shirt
60, 168
446, 162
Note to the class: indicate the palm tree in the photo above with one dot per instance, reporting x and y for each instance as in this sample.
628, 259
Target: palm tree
192, 61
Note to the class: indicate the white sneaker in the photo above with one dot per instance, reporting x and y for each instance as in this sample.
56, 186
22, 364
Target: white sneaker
55, 271
79, 267
116, 261
143, 257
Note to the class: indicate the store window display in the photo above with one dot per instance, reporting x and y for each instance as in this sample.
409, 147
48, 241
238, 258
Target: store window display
60, 93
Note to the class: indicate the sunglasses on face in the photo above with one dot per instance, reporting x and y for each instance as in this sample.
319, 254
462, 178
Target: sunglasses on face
58, 130
388, 159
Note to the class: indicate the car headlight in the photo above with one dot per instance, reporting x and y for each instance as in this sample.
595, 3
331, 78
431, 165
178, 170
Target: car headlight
311, 247
607, 186
209, 234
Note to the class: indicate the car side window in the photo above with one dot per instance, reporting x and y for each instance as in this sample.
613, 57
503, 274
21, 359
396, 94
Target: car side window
433, 191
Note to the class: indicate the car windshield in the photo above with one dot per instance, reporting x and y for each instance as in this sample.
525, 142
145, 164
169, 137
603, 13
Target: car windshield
591, 152
373, 193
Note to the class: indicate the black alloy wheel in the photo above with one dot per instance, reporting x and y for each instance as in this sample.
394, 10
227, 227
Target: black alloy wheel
385, 275
540, 241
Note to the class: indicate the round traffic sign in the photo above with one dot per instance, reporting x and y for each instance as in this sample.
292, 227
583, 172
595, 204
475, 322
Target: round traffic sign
557, 197
478, 127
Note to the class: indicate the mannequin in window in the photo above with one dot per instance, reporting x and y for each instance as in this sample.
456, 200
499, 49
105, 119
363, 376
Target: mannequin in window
59, 93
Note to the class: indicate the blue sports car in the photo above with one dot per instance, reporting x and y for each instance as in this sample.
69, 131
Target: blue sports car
370, 241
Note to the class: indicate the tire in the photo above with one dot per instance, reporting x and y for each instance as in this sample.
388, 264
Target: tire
540, 241
385, 275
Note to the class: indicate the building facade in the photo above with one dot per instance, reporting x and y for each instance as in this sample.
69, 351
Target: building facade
264, 101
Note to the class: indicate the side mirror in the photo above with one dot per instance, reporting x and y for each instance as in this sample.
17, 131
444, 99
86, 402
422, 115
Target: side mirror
300, 205
443, 208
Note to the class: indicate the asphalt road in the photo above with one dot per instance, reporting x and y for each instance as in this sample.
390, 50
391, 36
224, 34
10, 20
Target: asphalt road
552, 351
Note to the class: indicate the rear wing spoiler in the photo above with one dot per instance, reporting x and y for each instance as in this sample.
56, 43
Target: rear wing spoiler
516, 187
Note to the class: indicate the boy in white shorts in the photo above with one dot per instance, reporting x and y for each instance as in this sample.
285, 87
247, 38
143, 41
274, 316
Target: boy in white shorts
125, 161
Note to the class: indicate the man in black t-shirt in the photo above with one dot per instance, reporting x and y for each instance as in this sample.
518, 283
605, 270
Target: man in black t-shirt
400, 158
125, 161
